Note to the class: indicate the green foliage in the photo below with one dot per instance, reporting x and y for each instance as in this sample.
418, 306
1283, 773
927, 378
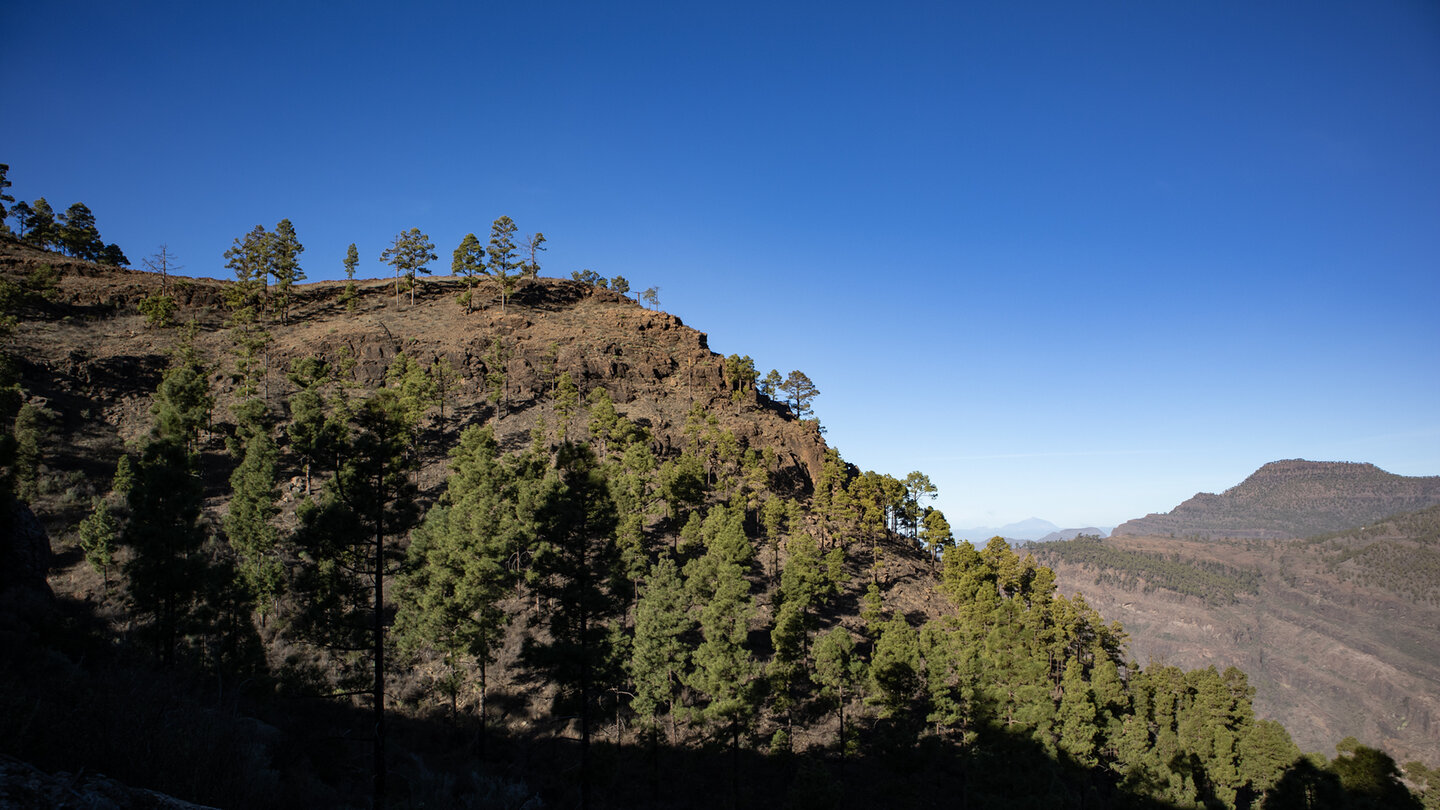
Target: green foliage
620, 285
342, 538
78, 235
31, 425
349, 296
770, 386
99, 535
801, 392
455, 575
651, 297
839, 669
935, 533
416, 390
577, 574
567, 403
182, 404
534, 244
725, 670
1370, 777
4, 198
497, 376
166, 571
872, 611
659, 657
468, 262
590, 277
317, 427
124, 478
249, 259
1215, 583
249, 522
895, 667
37, 224
158, 309
501, 251
284, 266
409, 253
740, 375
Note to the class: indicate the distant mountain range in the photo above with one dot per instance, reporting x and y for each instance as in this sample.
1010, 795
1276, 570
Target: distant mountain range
1030, 529
1292, 498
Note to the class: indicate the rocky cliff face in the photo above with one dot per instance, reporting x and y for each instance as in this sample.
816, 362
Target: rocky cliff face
86, 353
1294, 498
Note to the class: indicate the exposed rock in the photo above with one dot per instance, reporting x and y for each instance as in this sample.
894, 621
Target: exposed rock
23, 787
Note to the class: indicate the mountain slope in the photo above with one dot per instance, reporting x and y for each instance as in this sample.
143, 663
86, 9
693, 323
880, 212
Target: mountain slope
1340, 633
1293, 498
702, 473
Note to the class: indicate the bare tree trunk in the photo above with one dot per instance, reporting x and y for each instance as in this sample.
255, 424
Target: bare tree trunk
379, 644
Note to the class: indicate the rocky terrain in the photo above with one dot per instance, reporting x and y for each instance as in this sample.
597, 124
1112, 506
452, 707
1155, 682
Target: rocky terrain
1293, 498
1339, 633
1333, 645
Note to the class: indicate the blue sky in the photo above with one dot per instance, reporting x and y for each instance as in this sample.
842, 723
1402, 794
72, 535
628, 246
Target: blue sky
1072, 260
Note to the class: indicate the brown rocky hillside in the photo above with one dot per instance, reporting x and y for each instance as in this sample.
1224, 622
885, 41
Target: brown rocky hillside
88, 355
1339, 633
1293, 498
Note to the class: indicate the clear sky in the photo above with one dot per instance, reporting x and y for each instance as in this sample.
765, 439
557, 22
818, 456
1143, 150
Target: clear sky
1073, 260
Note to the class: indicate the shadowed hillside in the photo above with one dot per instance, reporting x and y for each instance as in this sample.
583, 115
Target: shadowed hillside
313, 546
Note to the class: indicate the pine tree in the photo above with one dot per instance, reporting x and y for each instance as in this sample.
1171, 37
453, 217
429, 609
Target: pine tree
284, 261
409, 254
567, 403
165, 571
455, 575
316, 429
99, 533
725, 670
38, 225
468, 262
935, 534
917, 490
416, 389
770, 386
78, 234
895, 667
659, 657
1077, 716
838, 670
497, 376
4, 198
534, 244
249, 522
182, 404
578, 575
249, 260
502, 256
349, 295
342, 589
801, 392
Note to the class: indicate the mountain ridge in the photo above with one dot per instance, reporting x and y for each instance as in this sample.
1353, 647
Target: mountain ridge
1292, 498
